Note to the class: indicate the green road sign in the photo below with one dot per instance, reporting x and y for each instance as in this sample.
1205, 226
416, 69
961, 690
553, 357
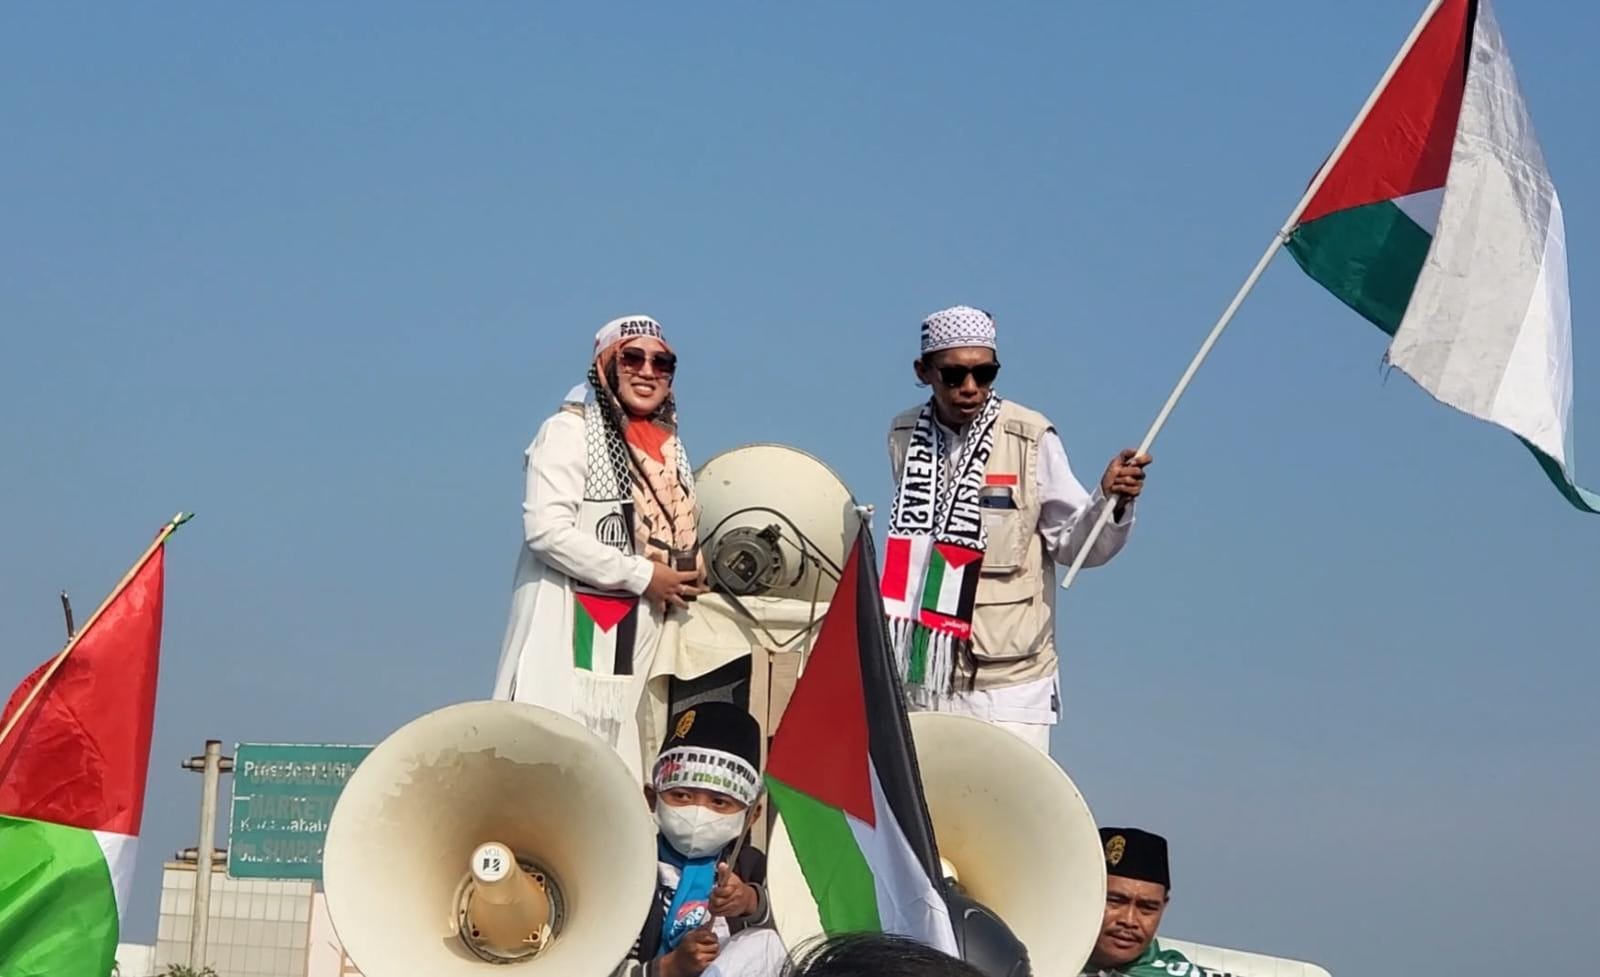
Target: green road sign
283, 797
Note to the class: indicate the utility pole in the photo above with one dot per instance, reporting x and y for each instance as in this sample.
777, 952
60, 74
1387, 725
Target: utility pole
211, 765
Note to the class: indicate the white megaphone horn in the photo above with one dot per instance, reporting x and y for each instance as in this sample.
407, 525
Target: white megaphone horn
1012, 830
490, 833
775, 523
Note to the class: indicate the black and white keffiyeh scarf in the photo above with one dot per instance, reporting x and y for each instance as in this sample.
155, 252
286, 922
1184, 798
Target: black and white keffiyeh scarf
613, 472
935, 547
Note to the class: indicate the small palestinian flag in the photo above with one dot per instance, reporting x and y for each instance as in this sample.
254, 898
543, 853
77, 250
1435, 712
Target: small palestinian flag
951, 588
604, 627
72, 777
843, 775
1440, 224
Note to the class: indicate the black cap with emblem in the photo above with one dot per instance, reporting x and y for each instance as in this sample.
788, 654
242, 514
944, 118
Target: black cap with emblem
1132, 853
720, 726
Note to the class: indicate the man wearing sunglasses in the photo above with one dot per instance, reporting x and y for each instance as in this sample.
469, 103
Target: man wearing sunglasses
985, 507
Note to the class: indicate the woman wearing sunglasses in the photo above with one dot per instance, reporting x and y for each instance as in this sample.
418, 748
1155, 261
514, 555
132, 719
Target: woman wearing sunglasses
985, 506
608, 549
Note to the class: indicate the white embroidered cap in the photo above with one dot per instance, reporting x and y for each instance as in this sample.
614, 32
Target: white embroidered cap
959, 325
626, 327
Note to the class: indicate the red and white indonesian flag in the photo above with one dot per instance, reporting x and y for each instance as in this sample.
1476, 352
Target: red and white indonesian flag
905, 564
1440, 224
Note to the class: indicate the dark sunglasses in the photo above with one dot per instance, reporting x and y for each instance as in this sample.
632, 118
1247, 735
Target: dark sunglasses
983, 374
633, 360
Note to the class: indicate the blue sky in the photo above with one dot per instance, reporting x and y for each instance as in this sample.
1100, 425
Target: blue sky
318, 274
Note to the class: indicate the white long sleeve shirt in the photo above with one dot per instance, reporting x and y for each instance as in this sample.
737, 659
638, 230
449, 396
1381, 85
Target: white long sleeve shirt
1067, 512
557, 465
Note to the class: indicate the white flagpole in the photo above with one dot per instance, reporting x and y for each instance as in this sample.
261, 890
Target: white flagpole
1278, 240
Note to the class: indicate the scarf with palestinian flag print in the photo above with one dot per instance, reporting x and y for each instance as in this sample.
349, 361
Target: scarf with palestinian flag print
642, 506
934, 551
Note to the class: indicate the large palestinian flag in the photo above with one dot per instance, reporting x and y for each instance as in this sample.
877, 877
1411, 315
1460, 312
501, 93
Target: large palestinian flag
1440, 224
72, 775
842, 773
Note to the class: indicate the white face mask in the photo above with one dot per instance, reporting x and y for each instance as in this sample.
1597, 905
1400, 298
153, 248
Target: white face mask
698, 832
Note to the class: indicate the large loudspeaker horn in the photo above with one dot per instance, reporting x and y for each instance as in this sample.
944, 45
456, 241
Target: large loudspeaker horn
774, 522
1241, 963
1013, 827
489, 832
1019, 834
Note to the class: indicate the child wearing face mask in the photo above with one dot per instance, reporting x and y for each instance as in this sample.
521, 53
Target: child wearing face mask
710, 917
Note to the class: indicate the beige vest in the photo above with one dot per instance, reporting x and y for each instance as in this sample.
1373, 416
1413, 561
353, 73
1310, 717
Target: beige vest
1014, 623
